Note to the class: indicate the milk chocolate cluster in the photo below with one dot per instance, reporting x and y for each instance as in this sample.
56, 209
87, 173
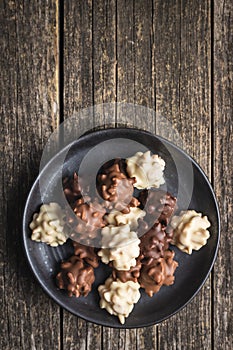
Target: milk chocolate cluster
116, 188
158, 272
75, 277
77, 273
134, 233
72, 189
85, 221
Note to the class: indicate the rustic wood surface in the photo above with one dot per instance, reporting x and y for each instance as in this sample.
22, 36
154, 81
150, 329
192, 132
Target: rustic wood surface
58, 57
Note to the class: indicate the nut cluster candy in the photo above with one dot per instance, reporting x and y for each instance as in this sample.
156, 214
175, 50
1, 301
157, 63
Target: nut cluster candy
190, 230
118, 298
132, 227
120, 245
72, 188
147, 169
115, 187
130, 275
48, 225
158, 272
154, 242
86, 253
160, 205
75, 277
117, 218
89, 219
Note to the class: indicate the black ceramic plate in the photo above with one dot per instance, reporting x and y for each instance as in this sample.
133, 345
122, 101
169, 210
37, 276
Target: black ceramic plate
193, 269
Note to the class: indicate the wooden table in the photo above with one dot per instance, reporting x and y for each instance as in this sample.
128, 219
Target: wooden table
59, 57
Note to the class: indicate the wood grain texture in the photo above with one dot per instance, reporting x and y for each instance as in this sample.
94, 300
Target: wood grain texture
29, 113
89, 77
78, 94
134, 85
222, 171
172, 56
182, 53
104, 92
77, 56
134, 61
104, 62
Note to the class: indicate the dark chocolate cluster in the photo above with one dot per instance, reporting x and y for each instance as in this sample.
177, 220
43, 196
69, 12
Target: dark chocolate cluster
131, 275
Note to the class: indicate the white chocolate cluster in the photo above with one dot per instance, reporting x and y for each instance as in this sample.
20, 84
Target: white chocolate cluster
147, 169
119, 245
48, 225
118, 298
116, 218
190, 230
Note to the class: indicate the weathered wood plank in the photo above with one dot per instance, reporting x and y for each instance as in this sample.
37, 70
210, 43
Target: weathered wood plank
182, 52
77, 56
29, 113
222, 170
78, 94
89, 78
135, 85
104, 61
135, 67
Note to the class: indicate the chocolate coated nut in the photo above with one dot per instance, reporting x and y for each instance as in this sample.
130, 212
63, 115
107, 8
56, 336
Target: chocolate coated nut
72, 188
91, 214
86, 253
130, 275
158, 272
153, 243
114, 186
159, 205
75, 277
88, 222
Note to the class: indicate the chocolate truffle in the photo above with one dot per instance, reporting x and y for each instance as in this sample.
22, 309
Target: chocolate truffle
114, 186
75, 277
153, 243
86, 253
158, 272
159, 205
